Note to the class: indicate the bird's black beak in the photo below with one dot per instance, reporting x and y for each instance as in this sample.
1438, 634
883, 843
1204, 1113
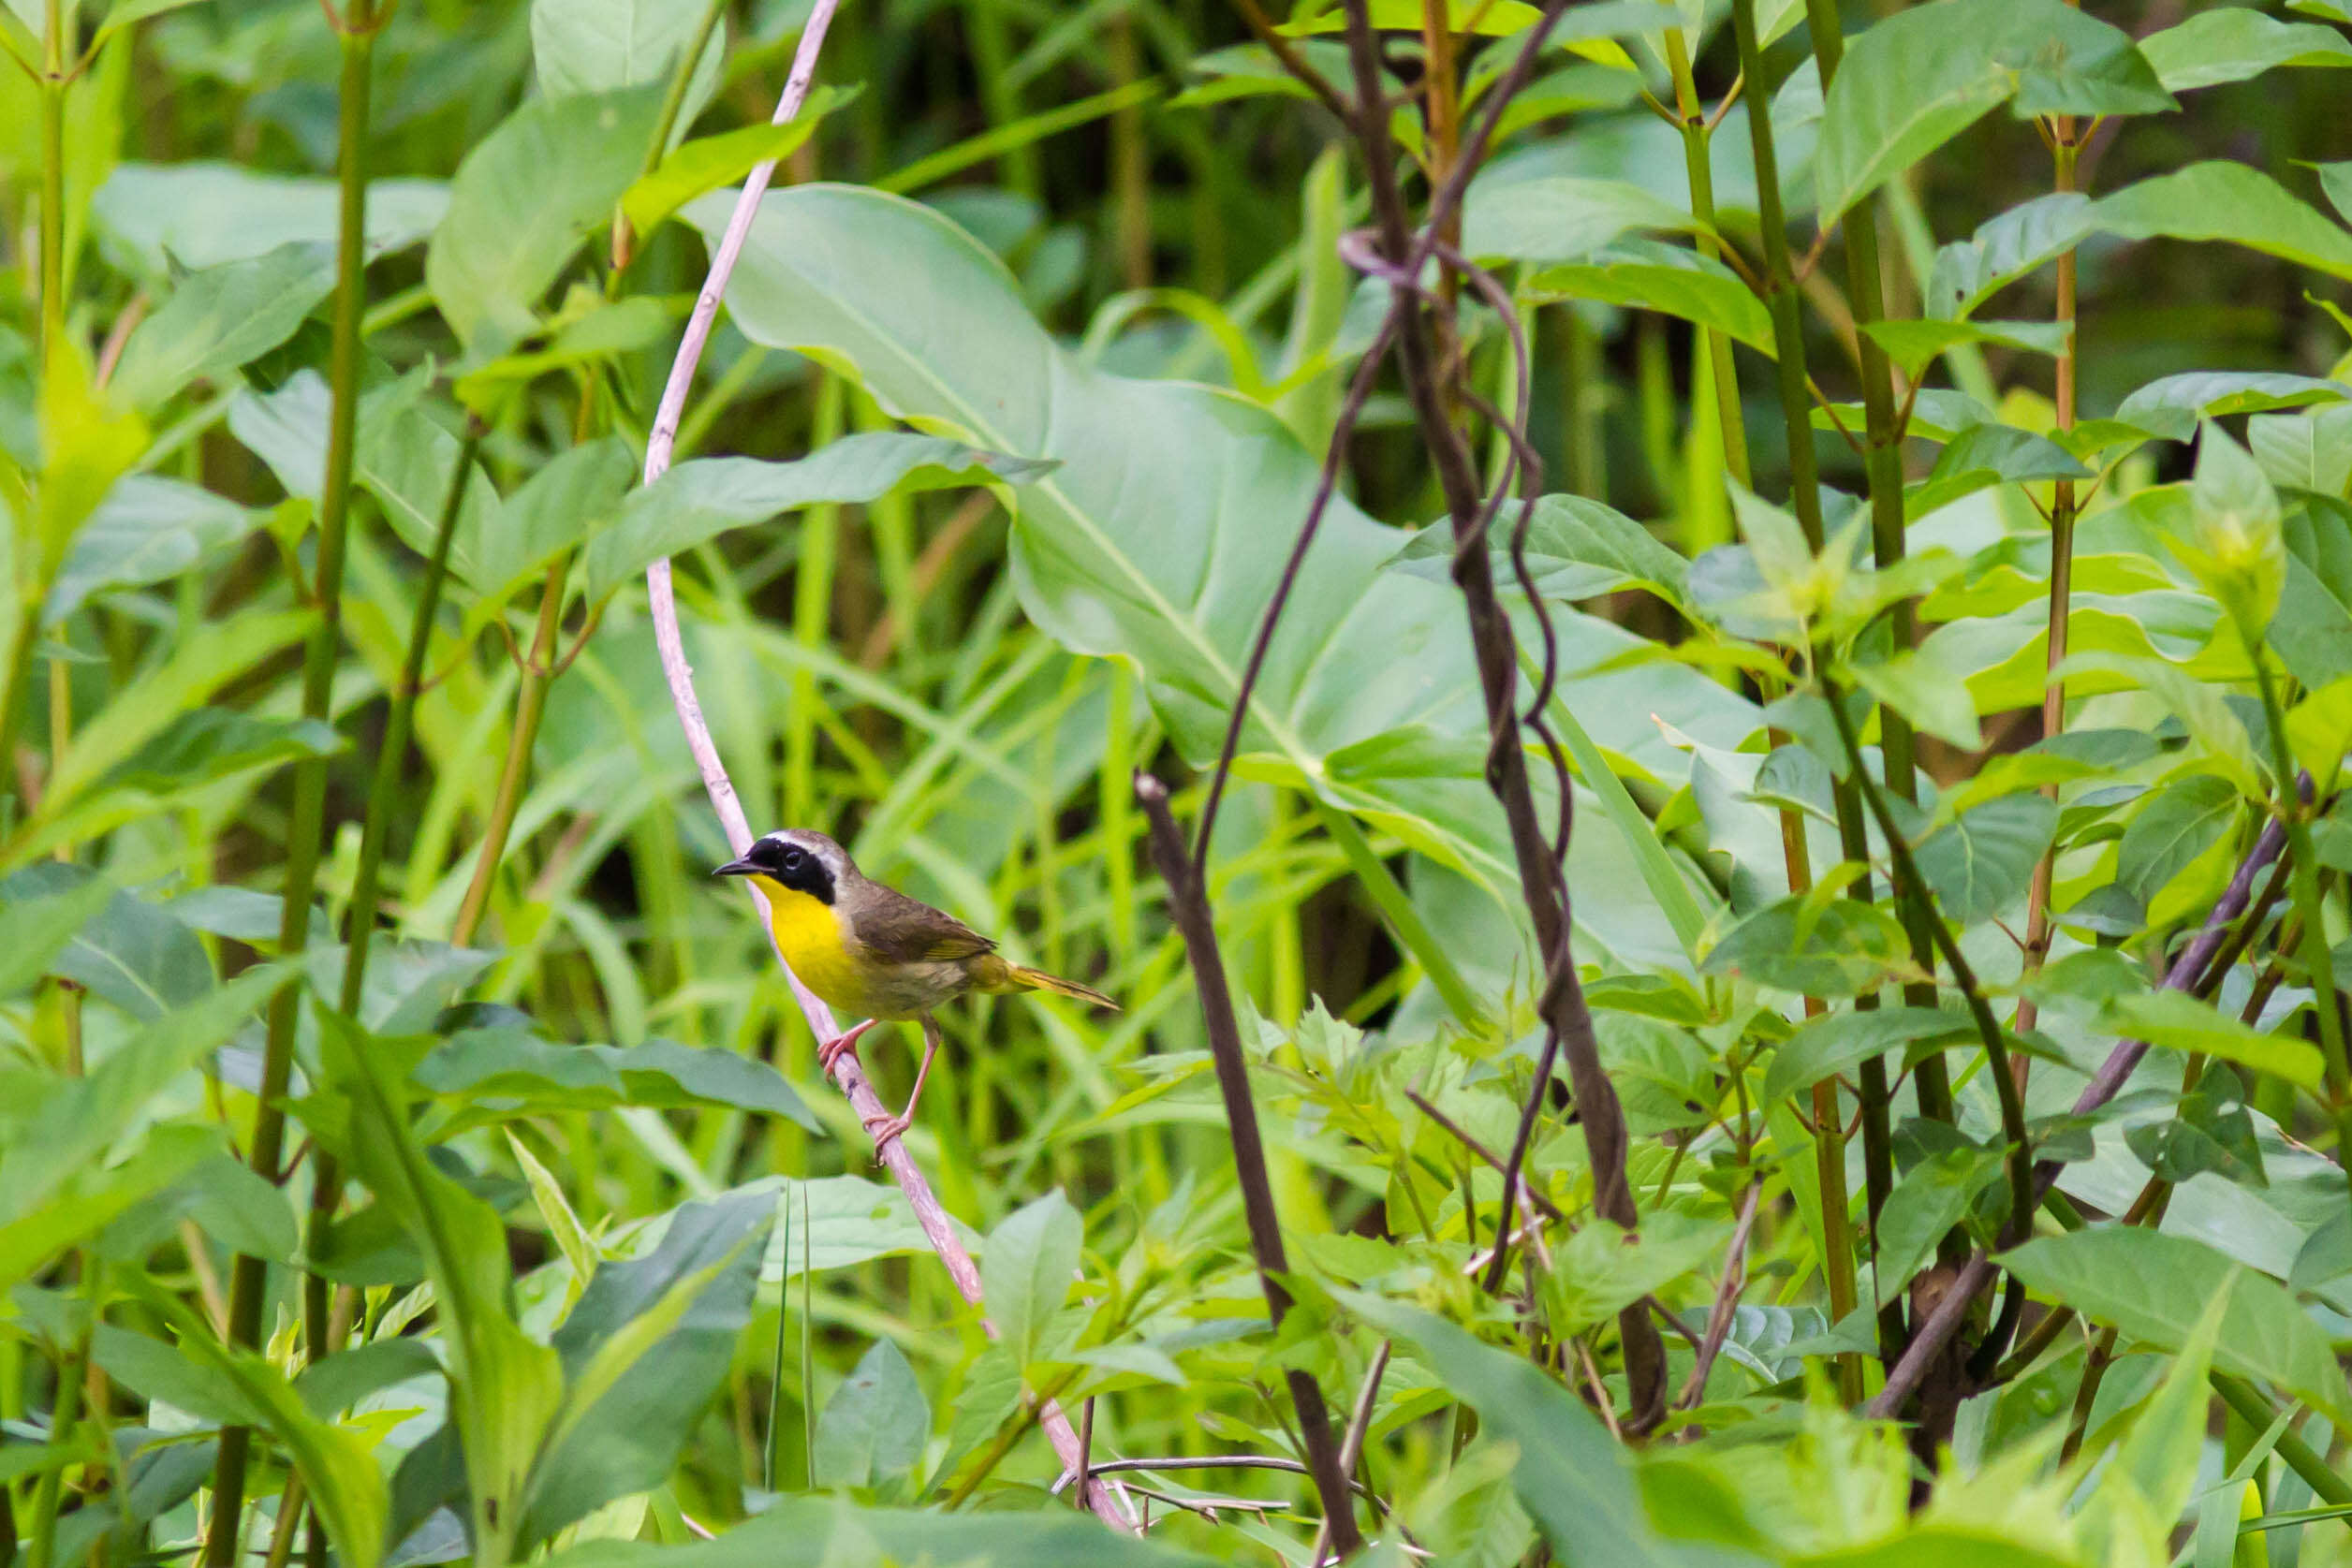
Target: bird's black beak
737, 867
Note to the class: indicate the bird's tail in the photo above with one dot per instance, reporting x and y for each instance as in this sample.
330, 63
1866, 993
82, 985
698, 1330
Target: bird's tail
1020, 978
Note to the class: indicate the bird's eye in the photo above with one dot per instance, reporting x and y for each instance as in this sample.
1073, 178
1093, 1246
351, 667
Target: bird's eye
791, 860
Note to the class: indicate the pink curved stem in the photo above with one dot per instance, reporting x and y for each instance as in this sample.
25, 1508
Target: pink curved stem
1105, 1498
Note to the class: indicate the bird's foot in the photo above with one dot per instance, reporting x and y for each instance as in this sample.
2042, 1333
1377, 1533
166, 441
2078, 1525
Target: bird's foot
841, 1045
886, 1130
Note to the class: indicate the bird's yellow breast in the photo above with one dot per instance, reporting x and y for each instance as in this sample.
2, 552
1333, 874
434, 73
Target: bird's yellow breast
809, 934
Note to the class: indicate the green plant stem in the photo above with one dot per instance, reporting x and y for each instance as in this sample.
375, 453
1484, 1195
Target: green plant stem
2064, 150
1805, 487
1883, 462
1396, 909
65, 1414
2303, 871
539, 670
310, 775
367, 885
1700, 170
2326, 1483
673, 102
30, 591
1908, 885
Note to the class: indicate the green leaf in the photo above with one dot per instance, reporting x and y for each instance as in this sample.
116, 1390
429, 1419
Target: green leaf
1560, 217
1985, 455
132, 953
1837, 947
1154, 541
2312, 632
348, 1376
2213, 1131
847, 1221
875, 1425
221, 318
53, 1165
1920, 687
201, 215
2231, 43
2179, 1021
147, 530
1934, 1195
1913, 344
2305, 452
1604, 1268
2319, 728
1577, 548
2172, 407
211, 743
2155, 1287
703, 498
2004, 249
1027, 1270
38, 918
1913, 82
1833, 1042
644, 1353
2237, 551
515, 1070
524, 198
2222, 200
1981, 861
601, 46
571, 498
2179, 823
1570, 1475
336, 1463
1494, 18
820, 1533
709, 162
1647, 275
505, 1389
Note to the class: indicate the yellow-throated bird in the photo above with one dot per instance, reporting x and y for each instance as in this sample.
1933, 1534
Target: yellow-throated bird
871, 951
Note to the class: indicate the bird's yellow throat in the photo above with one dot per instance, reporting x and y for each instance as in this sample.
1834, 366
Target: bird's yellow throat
809, 934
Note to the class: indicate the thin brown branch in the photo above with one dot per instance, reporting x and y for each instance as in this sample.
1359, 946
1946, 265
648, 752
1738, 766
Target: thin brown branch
1735, 1279
1188, 904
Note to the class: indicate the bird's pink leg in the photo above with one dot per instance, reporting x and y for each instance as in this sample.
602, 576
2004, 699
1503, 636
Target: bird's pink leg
887, 1128
845, 1043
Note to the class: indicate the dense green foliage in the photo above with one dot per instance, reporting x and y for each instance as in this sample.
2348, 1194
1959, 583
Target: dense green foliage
407, 1154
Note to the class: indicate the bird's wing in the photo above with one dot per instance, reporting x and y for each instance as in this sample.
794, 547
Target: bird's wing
899, 930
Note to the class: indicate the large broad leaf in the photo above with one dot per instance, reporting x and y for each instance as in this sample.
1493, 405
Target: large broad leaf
1982, 859
521, 203
1833, 1042
1032, 1259
2222, 200
2231, 43
221, 318
1162, 531
1914, 81
818, 1532
38, 918
833, 1221
705, 497
874, 1428
1558, 217
644, 1351
516, 1072
2312, 632
2179, 1021
1577, 548
147, 530
1833, 947
199, 215
601, 46
505, 1389
2003, 250
1571, 1475
2155, 1287
1660, 277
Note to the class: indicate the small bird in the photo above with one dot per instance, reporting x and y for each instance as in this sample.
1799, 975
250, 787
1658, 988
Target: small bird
871, 951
